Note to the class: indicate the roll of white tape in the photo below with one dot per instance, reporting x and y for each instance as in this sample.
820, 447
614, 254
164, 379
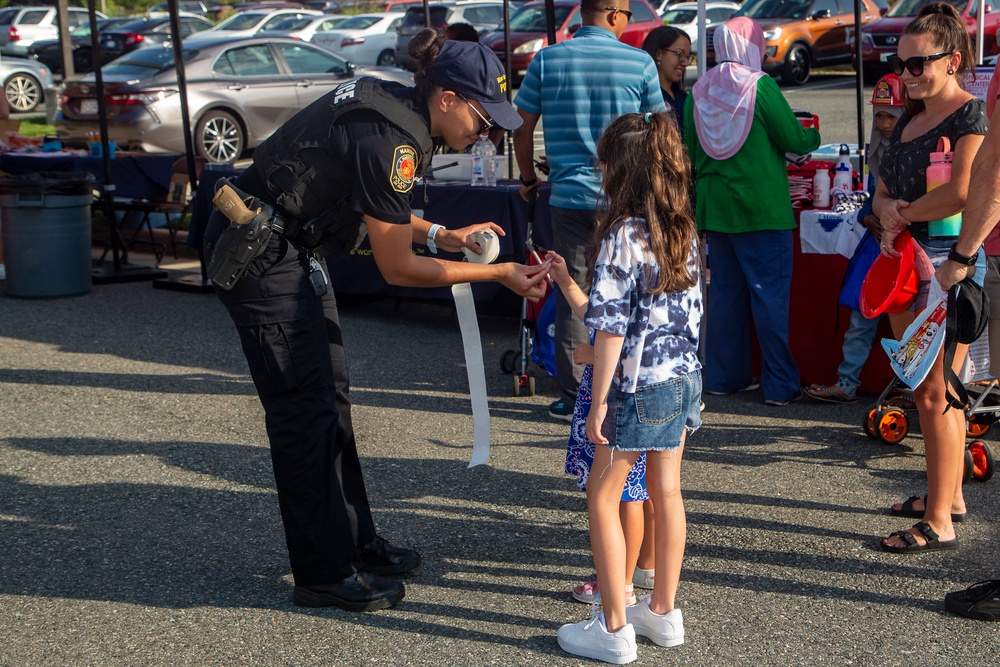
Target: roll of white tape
488, 241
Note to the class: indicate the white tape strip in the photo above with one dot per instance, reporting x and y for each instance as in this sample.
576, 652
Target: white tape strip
471, 341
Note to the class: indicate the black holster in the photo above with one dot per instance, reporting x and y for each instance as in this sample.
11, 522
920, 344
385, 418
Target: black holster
239, 244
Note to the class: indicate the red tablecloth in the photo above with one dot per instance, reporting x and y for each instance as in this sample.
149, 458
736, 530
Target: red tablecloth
816, 337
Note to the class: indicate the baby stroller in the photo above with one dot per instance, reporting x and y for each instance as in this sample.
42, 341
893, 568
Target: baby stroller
537, 331
888, 422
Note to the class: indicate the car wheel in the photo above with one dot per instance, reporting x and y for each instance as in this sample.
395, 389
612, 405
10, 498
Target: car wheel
797, 65
386, 59
219, 137
24, 93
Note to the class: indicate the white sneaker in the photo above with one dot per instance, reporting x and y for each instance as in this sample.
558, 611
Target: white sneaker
662, 629
591, 639
643, 578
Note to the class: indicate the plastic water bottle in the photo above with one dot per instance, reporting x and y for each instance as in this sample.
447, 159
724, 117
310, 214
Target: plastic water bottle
821, 189
483, 171
843, 178
939, 173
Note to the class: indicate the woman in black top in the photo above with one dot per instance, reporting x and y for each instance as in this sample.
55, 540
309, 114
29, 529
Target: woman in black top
670, 49
933, 59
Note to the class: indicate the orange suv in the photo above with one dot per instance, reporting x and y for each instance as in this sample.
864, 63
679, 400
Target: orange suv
804, 33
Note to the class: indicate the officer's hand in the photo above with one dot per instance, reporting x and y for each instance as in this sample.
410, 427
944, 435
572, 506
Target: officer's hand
527, 281
453, 240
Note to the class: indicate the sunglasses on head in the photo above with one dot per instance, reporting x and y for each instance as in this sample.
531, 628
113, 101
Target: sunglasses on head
914, 65
627, 13
487, 123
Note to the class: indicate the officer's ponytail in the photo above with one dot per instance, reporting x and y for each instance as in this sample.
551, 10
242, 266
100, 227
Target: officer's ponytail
424, 49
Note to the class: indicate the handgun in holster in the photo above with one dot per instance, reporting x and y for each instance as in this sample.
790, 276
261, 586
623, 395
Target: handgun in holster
250, 228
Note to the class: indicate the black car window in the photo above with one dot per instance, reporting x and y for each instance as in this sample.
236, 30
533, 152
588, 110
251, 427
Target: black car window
415, 16
254, 60
826, 5
718, 15
303, 59
7, 16
490, 15
641, 13
33, 17
532, 19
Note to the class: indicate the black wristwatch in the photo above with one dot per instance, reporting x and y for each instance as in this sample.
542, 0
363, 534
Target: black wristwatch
959, 258
528, 184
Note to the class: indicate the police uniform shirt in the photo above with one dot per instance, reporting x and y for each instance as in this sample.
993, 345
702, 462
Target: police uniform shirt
362, 156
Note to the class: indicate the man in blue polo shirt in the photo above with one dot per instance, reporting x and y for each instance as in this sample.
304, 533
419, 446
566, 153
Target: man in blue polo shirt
579, 86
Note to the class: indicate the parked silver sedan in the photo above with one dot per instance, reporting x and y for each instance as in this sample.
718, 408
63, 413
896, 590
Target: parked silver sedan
25, 83
239, 92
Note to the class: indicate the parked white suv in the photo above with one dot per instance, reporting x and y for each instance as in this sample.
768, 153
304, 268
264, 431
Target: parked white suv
20, 26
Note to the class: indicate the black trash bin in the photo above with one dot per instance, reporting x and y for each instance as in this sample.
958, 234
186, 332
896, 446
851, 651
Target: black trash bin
47, 233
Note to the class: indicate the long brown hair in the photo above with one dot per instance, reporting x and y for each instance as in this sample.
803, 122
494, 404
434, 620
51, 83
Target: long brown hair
942, 22
646, 176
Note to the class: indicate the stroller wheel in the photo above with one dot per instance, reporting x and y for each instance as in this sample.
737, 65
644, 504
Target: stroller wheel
868, 423
517, 384
982, 460
969, 467
531, 384
976, 428
507, 360
891, 425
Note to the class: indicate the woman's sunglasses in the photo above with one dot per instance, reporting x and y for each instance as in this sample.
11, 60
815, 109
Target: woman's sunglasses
913, 65
487, 123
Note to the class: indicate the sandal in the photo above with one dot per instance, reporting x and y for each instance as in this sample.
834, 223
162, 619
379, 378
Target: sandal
912, 546
589, 593
910, 512
979, 601
830, 394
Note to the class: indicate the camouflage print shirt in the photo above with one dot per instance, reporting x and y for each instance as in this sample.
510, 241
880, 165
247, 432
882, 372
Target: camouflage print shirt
660, 330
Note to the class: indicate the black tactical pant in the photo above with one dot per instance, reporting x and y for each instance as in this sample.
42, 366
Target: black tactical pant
293, 344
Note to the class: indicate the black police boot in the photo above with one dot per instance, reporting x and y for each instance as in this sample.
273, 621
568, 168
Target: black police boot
359, 592
380, 557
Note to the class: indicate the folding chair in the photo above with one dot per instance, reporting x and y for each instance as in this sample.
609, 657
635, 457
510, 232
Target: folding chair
174, 206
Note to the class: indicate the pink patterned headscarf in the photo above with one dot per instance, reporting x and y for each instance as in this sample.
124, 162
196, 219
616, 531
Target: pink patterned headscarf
724, 98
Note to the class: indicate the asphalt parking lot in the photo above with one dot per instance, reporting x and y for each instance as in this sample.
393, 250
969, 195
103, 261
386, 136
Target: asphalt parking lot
139, 524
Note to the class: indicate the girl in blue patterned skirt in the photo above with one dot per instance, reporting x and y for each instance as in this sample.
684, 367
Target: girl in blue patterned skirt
645, 305
580, 459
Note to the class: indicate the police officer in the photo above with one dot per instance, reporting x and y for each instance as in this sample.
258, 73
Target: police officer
350, 158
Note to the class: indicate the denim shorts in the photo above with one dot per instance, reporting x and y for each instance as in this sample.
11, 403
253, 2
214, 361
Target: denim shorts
655, 417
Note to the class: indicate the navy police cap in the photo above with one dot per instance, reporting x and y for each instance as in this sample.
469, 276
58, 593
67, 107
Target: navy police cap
474, 71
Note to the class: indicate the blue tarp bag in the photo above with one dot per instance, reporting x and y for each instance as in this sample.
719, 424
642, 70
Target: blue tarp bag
544, 351
864, 256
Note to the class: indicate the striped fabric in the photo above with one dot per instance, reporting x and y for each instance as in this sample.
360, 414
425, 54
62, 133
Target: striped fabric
578, 87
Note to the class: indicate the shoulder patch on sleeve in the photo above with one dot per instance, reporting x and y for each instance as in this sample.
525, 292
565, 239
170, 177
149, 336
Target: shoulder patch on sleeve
404, 168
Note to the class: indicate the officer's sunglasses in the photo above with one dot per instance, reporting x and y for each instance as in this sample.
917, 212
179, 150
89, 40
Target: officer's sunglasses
487, 123
627, 13
915, 64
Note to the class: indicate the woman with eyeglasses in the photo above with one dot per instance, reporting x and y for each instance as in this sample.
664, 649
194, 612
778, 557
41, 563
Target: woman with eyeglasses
343, 166
670, 49
934, 58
